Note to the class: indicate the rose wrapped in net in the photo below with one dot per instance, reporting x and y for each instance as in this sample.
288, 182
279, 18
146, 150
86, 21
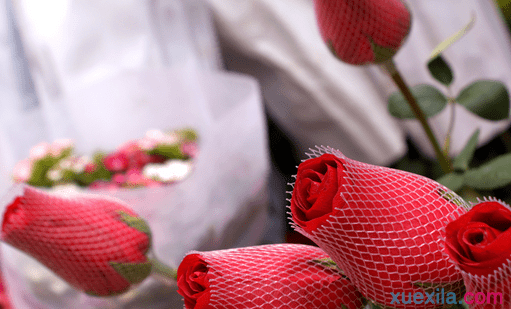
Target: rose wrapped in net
96, 243
479, 244
381, 226
363, 31
267, 277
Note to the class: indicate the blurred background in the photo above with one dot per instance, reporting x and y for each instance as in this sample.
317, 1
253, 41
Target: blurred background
256, 82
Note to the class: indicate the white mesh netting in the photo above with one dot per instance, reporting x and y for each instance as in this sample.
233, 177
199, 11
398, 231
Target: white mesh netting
489, 292
383, 227
362, 31
79, 238
268, 277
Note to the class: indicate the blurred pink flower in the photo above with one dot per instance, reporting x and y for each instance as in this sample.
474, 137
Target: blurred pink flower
90, 168
58, 146
118, 178
22, 171
190, 149
39, 151
137, 157
116, 162
134, 176
155, 135
147, 144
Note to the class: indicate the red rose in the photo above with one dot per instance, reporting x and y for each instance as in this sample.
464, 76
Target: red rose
96, 244
363, 31
381, 226
268, 277
479, 243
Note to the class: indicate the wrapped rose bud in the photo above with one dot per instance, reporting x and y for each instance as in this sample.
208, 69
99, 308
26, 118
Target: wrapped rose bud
479, 243
363, 31
381, 226
96, 244
268, 277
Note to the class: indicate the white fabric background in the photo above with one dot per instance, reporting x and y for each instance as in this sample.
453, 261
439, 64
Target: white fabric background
320, 100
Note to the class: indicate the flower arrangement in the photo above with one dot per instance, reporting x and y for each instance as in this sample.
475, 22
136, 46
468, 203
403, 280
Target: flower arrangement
156, 159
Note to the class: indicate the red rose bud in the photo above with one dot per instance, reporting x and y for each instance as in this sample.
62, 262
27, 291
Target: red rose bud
479, 244
267, 277
96, 244
381, 226
363, 31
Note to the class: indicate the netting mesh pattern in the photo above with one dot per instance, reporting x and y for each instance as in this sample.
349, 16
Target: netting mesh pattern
478, 244
77, 238
381, 226
363, 31
267, 277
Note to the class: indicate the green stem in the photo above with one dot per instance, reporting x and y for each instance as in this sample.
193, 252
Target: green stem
163, 270
391, 68
447, 143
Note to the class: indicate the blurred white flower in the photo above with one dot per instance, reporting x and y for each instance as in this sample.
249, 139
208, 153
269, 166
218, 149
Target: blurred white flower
79, 164
172, 170
60, 145
54, 174
66, 164
39, 151
155, 135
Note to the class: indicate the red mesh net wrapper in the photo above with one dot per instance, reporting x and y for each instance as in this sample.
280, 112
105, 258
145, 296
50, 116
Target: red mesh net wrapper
381, 226
363, 31
479, 244
268, 277
96, 244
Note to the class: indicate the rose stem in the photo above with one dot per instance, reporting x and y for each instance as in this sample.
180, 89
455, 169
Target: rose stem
391, 68
160, 269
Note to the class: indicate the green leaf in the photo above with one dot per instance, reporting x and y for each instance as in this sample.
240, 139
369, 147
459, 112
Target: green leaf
188, 134
329, 263
440, 70
430, 99
453, 38
381, 53
39, 172
168, 151
486, 98
491, 175
453, 198
464, 158
135, 222
453, 181
133, 272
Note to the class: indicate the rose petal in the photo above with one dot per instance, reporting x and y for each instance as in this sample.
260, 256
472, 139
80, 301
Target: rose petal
193, 281
480, 240
316, 190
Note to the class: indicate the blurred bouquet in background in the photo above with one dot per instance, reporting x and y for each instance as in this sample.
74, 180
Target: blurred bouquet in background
156, 159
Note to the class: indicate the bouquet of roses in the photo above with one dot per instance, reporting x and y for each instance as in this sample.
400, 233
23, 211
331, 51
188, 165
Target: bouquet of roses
157, 158
387, 238
379, 233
